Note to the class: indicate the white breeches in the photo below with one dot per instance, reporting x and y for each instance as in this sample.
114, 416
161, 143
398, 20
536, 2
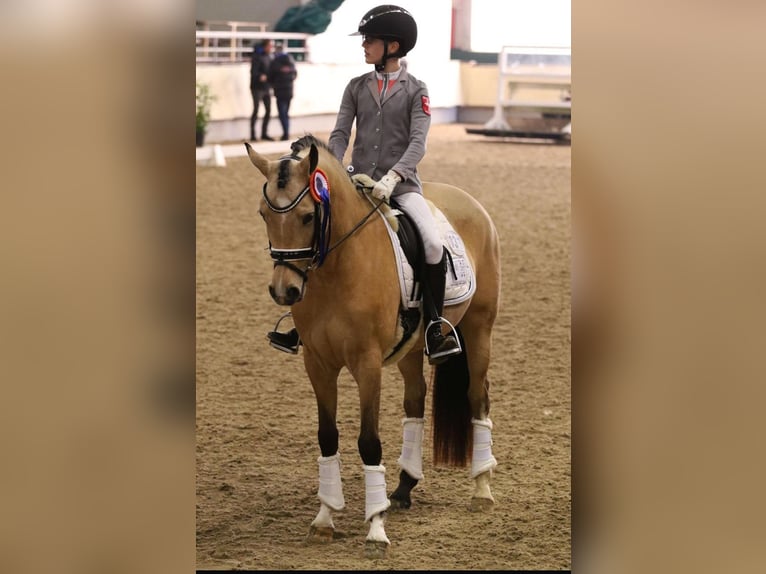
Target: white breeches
482, 459
412, 447
330, 487
414, 204
376, 500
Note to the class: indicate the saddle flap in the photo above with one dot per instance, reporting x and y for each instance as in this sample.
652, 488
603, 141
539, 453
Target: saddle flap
408, 251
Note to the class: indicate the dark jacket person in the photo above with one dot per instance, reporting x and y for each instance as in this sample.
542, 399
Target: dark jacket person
282, 74
260, 88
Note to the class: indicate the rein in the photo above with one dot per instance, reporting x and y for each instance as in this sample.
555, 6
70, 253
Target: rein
357, 226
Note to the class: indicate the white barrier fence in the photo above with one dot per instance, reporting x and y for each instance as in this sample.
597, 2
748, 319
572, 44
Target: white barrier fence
537, 77
227, 42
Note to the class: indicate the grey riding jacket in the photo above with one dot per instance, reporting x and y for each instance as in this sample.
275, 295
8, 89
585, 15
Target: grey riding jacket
391, 135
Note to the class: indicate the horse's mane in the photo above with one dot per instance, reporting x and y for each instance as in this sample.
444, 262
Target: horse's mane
299, 148
305, 142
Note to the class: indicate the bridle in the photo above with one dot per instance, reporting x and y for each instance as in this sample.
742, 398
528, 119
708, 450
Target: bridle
285, 256
320, 243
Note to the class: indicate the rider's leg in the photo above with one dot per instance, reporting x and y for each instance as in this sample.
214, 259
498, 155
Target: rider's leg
439, 346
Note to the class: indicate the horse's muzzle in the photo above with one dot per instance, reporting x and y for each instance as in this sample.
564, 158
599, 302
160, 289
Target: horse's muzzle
290, 296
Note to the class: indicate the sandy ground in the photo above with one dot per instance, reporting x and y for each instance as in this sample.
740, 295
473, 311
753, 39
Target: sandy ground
256, 414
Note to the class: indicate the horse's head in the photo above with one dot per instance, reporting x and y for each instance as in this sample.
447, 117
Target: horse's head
292, 215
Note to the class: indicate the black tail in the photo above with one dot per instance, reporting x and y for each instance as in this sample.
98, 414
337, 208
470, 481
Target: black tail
451, 416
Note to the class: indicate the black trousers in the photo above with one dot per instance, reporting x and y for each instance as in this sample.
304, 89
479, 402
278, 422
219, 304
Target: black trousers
260, 96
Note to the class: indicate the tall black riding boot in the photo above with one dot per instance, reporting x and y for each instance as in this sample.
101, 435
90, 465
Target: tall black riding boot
438, 346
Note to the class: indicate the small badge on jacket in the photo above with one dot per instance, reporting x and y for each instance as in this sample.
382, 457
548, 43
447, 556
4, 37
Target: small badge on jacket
426, 104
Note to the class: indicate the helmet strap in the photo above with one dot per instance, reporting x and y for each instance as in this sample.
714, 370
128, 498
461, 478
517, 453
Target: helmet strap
380, 66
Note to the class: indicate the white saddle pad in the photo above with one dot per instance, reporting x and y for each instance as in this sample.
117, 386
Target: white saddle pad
460, 284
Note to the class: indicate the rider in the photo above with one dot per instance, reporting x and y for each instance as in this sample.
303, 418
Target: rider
393, 117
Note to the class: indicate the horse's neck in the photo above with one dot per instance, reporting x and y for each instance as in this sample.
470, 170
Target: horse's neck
348, 205
361, 249
352, 217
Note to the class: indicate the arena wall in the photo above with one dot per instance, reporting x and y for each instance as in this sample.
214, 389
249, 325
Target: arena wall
335, 57
457, 90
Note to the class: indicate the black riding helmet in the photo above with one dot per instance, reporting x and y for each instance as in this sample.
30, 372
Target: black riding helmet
390, 22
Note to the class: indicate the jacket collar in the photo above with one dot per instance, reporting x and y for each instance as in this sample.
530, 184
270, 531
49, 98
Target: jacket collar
372, 85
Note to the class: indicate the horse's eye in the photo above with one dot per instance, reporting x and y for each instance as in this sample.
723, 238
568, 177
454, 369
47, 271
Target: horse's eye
308, 218
261, 214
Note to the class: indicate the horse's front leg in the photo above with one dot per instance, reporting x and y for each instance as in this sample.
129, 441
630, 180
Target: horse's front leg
411, 460
368, 375
324, 379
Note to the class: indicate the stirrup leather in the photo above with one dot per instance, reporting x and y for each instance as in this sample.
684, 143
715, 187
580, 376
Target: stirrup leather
437, 355
287, 342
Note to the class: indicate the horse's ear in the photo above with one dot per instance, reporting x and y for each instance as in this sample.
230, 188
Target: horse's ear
310, 162
258, 160
314, 155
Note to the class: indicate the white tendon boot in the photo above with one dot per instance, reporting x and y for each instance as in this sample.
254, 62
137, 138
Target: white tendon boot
411, 460
376, 501
482, 463
331, 496
330, 487
482, 459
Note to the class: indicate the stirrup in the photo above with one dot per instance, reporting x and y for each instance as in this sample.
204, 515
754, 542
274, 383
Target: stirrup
440, 356
287, 342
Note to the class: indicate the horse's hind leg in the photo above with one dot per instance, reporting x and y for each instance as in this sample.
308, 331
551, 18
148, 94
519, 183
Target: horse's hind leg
330, 492
482, 465
476, 330
411, 460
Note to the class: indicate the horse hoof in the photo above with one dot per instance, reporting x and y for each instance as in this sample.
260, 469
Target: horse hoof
320, 535
482, 504
375, 549
400, 503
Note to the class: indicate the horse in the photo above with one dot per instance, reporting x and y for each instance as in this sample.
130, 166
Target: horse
335, 268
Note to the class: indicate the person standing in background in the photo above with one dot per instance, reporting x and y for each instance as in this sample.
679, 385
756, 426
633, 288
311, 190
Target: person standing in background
260, 88
282, 74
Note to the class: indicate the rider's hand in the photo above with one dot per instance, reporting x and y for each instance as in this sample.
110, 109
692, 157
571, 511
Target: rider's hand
385, 187
363, 180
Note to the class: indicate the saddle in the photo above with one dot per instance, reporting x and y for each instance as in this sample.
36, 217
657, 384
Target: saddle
410, 262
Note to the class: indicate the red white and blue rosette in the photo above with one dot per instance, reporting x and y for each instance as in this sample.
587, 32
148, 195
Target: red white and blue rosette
319, 187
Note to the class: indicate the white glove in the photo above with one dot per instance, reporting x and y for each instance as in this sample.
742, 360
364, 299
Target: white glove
363, 180
385, 187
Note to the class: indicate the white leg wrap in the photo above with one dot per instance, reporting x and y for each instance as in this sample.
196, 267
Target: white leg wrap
330, 487
375, 499
482, 459
412, 447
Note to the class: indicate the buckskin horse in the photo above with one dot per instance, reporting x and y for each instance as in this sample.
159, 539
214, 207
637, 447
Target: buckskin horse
335, 267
